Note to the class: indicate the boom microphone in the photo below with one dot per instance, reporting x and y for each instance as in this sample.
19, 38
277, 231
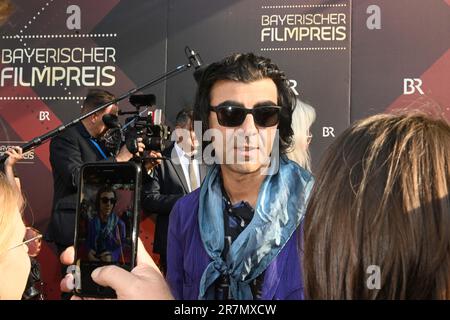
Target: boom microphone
194, 58
111, 121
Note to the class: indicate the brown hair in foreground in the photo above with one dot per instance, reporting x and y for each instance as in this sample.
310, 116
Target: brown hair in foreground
381, 199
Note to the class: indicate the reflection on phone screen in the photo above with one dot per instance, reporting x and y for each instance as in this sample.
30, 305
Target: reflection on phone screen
104, 228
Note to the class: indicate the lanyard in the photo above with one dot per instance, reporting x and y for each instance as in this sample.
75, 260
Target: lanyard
98, 148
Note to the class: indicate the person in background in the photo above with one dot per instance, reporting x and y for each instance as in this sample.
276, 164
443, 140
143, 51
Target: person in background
302, 118
377, 224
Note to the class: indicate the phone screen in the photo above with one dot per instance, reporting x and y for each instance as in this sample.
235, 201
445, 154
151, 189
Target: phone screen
106, 232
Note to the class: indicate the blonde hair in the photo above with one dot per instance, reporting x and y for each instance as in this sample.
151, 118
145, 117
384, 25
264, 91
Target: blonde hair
6, 9
303, 117
11, 200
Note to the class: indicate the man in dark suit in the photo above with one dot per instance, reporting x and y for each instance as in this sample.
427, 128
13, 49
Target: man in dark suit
68, 152
173, 179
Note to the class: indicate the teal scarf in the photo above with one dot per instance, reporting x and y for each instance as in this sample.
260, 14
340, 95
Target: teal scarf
279, 210
108, 231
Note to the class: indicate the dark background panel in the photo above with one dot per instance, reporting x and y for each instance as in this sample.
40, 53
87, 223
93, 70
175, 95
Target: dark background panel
141, 44
413, 35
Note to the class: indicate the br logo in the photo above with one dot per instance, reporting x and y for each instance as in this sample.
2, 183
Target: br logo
44, 116
410, 86
328, 132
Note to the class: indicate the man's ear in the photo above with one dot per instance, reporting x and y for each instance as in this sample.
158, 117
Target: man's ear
94, 117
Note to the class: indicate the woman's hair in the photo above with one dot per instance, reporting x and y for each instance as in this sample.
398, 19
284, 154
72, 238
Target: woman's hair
10, 201
100, 191
381, 200
302, 118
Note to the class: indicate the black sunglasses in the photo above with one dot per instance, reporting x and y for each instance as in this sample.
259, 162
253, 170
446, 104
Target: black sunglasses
234, 116
105, 200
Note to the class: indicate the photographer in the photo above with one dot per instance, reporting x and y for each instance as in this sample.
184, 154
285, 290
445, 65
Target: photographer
68, 152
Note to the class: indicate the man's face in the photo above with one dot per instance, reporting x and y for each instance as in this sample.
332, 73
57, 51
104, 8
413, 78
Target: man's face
100, 127
246, 148
107, 202
186, 138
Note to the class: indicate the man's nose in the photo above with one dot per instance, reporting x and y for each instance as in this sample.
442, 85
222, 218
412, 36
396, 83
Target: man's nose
249, 126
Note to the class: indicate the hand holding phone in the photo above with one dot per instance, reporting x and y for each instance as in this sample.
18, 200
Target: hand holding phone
106, 223
144, 282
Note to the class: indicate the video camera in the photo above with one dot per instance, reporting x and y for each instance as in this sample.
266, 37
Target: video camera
144, 124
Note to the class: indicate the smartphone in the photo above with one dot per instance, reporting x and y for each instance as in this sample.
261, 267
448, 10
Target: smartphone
107, 223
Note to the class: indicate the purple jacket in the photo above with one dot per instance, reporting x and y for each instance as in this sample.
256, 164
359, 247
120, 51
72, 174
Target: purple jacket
187, 258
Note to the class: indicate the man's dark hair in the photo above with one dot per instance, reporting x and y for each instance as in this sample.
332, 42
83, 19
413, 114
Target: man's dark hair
95, 98
185, 116
246, 68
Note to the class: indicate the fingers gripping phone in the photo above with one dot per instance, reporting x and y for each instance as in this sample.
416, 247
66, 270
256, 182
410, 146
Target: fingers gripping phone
107, 225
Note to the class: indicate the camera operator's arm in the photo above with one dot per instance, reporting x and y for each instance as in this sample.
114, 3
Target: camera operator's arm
152, 199
150, 164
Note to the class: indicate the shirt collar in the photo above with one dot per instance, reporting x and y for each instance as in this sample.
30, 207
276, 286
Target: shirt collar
181, 154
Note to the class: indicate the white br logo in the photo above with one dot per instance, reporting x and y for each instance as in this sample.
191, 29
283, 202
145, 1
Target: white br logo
44, 115
327, 132
410, 86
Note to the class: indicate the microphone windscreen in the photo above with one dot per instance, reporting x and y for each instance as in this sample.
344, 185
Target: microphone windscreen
111, 121
142, 100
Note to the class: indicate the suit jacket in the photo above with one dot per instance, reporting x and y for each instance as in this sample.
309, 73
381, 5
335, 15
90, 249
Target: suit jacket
161, 191
68, 152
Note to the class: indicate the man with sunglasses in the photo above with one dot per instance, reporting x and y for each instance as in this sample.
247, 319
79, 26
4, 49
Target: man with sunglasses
106, 231
236, 237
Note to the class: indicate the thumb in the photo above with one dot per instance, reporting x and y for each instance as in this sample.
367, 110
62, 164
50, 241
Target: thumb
112, 276
143, 258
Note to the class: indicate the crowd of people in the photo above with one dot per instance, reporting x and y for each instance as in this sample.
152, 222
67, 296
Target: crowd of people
372, 222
